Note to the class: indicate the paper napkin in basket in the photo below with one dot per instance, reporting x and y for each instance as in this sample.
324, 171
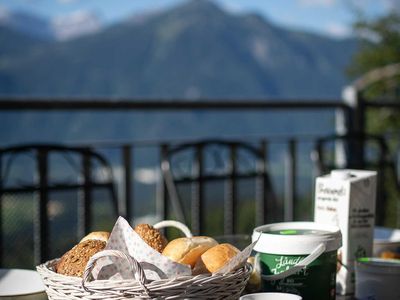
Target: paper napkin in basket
125, 239
237, 261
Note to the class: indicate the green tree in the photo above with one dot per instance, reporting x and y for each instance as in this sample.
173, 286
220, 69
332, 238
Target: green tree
379, 44
379, 47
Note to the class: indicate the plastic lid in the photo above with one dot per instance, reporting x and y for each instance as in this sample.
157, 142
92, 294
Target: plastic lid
340, 174
296, 244
378, 265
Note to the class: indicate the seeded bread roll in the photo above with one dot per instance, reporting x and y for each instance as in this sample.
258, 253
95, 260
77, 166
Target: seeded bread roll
188, 250
73, 262
153, 237
97, 235
215, 258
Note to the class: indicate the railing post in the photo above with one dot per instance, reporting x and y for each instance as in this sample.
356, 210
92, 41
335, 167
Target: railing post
231, 194
85, 200
290, 182
382, 192
354, 154
125, 208
197, 205
262, 186
162, 200
41, 221
359, 150
1, 211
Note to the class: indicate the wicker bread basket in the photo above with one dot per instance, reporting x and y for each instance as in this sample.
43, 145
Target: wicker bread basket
216, 286
204, 286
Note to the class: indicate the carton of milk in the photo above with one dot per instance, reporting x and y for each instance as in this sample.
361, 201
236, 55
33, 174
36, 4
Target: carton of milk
346, 198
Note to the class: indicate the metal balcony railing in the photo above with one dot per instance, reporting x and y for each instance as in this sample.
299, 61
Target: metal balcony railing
352, 117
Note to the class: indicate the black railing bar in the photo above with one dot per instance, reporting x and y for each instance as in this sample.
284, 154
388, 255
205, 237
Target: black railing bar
1, 211
290, 181
197, 203
85, 197
275, 139
118, 104
162, 201
99, 98
77, 146
170, 188
125, 208
212, 142
14, 149
230, 194
51, 188
393, 104
189, 179
260, 195
390, 134
41, 220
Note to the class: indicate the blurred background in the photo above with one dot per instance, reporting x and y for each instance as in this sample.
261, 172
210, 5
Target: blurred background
218, 113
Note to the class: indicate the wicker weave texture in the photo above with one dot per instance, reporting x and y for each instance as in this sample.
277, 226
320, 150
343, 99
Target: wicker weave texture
61, 287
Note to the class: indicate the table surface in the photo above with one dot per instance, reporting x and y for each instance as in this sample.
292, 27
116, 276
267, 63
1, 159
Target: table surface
338, 297
19, 282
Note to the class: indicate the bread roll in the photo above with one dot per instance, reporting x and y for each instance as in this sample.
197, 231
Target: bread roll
188, 250
73, 262
153, 237
215, 258
97, 235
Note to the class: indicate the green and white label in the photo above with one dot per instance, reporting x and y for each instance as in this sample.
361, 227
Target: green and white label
316, 281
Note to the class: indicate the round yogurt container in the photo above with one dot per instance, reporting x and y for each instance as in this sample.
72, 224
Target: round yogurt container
298, 258
377, 278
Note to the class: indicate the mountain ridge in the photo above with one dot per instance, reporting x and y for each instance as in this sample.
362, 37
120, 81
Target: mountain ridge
195, 50
59, 28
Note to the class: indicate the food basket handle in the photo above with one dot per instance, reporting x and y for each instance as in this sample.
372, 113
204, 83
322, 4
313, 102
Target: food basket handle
170, 223
136, 268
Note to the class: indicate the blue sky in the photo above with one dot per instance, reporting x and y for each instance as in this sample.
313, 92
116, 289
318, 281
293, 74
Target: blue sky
333, 17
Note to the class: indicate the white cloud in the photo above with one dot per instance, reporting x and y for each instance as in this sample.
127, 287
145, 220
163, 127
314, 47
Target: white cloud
366, 7
327, 3
338, 30
75, 24
392, 4
4, 12
67, 1
231, 7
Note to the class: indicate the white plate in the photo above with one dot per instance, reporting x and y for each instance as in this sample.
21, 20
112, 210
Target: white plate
386, 239
383, 234
17, 282
270, 296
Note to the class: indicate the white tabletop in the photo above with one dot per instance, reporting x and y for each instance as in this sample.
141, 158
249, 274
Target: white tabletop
18, 282
338, 297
